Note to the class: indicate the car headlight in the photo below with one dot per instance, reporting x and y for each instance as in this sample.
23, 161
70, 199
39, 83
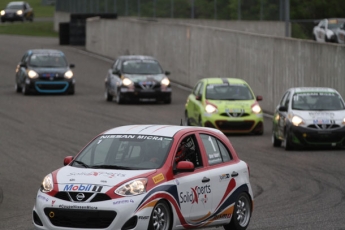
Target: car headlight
165, 81
19, 12
209, 108
69, 74
32, 74
2, 12
132, 188
127, 82
256, 108
296, 120
47, 184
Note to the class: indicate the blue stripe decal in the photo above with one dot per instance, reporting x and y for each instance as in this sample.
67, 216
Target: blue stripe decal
51, 90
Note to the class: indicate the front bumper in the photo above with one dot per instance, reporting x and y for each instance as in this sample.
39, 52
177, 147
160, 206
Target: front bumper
56, 214
137, 94
317, 137
12, 17
251, 123
46, 86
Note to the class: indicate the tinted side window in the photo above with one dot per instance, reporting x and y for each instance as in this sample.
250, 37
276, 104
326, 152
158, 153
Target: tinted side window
215, 150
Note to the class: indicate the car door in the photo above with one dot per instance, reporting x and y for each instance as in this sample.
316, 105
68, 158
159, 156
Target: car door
21, 69
194, 188
282, 112
111, 78
224, 176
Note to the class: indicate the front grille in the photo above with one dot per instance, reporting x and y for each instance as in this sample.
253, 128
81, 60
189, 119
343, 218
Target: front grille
72, 196
324, 126
51, 86
235, 125
75, 218
234, 114
145, 86
323, 138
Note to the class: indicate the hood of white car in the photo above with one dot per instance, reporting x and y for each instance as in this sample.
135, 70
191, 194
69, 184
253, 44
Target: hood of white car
77, 177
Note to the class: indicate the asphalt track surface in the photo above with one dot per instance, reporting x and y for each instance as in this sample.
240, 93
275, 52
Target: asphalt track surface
293, 190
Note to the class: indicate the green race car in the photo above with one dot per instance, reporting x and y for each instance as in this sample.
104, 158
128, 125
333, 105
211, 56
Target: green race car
227, 104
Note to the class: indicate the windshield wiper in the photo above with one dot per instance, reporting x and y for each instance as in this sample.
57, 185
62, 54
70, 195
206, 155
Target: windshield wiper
110, 167
82, 163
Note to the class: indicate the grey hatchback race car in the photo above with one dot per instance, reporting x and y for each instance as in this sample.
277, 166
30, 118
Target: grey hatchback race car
137, 78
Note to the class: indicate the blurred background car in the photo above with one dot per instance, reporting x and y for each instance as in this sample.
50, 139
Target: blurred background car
227, 104
340, 34
137, 78
309, 117
17, 11
44, 71
324, 31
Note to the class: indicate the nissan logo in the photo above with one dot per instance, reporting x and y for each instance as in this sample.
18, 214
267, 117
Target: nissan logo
80, 196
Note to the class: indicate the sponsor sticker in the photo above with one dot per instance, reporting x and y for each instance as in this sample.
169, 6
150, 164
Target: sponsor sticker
158, 178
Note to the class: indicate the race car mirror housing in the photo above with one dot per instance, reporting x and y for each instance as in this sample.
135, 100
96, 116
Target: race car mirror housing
185, 166
67, 160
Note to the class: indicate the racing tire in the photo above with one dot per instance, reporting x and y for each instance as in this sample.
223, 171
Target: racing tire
17, 88
242, 213
275, 141
287, 142
161, 217
186, 119
107, 95
119, 98
25, 90
3, 20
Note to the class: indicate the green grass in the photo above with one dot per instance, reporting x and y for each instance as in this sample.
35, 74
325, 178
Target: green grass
35, 28
44, 29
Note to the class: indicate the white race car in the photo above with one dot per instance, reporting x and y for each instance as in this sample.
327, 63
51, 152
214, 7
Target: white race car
309, 117
325, 30
148, 177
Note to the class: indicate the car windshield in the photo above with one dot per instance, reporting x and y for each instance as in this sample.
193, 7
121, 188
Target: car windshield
317, 101
228, 92
141, 67
14, 6
334, 23
47, 60
129, 152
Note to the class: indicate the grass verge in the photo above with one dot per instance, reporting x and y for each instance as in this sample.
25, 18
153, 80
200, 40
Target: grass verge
43, 29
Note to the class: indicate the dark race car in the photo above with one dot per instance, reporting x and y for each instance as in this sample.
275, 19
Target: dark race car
17, 11
137, 78
44, 71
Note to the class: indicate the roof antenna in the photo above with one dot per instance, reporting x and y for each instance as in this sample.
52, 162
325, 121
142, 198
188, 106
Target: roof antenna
181, 123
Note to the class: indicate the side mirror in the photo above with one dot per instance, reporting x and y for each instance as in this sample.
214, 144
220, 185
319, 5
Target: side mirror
185, 166
198, 97
71, 66
67, 160
259, 98
167, 73
282, 109
116, 72
23, 65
